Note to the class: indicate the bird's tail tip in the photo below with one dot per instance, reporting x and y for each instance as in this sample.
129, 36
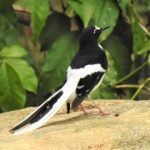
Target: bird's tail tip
14, 131
39, 116
11, 131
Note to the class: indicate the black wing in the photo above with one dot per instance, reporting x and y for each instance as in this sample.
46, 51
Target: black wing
85, 86
89, 56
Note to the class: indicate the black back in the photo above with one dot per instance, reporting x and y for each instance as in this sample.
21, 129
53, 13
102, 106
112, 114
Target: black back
89, 52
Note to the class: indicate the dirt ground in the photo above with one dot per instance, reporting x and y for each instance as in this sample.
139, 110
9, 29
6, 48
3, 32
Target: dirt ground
126, 128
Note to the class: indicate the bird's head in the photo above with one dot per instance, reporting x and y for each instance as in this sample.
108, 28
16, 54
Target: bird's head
91, 33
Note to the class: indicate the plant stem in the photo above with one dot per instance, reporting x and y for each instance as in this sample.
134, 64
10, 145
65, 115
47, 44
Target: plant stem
127, 86
145, 29
140, 88
131, 74
131, 86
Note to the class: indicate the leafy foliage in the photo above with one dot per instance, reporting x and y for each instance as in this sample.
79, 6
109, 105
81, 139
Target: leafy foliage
106, 9
85, 9
54, 68
12, 94
28, 26
16, 77
9, 33
60, 24
39, 11
118, 50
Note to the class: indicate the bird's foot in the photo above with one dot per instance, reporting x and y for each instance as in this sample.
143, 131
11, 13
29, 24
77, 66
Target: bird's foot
102, 113
90, 111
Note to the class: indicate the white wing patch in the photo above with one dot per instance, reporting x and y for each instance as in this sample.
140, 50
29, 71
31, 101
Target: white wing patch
80, 87
86, 70
100, 46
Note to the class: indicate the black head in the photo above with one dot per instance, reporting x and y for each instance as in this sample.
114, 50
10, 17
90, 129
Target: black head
91, 33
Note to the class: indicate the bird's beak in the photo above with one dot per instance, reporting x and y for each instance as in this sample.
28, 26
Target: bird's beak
103, 29
98, 31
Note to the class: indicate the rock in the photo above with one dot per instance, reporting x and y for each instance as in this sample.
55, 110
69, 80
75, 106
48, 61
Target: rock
126, 128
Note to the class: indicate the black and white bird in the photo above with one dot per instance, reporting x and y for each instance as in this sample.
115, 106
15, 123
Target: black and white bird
84, 75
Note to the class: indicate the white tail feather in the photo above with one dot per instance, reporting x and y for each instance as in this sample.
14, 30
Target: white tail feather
68, 89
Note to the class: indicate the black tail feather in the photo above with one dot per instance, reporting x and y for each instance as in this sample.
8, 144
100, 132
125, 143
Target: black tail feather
41, 111
77, 102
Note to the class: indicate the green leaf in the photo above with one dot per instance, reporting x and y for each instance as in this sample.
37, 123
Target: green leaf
106, 15
39, 11
9, 33
12, 93
145, 48
13, 51
85, 9
105, 91
148, 60
138, 36
56, 25
25, 73
119, 53
57, 61
123, 4
6, 4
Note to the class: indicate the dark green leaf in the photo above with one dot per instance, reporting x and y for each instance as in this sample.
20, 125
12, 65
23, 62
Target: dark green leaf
123, 4
6, 4
39, 11
25, 73
85, 9
9, 34
106, 15
13, 51
138, 36
148, 60
120, 55
56, 25
57, 61
145, 48
12, 93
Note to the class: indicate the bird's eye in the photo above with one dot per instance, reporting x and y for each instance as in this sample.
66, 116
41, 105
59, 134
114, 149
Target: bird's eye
96, 30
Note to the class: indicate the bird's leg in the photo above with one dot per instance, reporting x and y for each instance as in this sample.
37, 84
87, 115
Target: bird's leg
101, 112
82, 108
86, 111
68, 107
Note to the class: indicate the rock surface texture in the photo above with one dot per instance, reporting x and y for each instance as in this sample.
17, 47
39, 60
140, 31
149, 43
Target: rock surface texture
126, 128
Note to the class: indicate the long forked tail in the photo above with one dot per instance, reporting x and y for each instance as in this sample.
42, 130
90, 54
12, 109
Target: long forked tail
46, 110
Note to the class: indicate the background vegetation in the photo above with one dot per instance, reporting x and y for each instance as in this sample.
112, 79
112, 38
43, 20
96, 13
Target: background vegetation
38, 38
